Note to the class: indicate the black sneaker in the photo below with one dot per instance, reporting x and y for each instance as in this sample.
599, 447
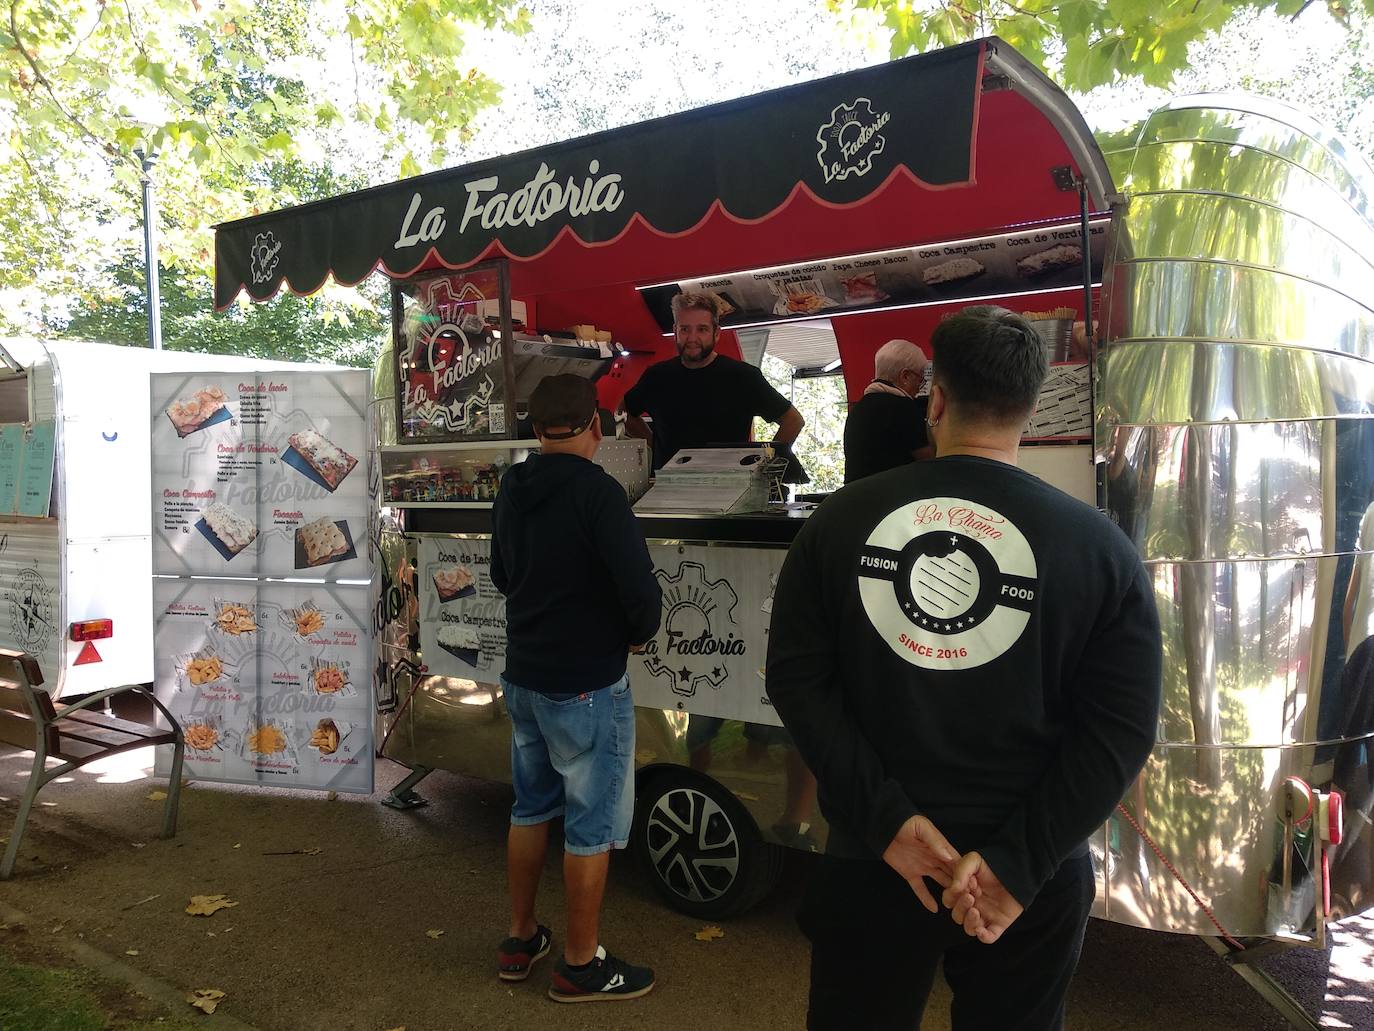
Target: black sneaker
604, 979
515, 957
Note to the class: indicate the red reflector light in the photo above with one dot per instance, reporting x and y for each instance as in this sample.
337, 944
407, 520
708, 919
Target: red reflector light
92, 630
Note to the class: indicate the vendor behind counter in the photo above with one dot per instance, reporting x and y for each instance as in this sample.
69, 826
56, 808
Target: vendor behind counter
702, 397
886, 428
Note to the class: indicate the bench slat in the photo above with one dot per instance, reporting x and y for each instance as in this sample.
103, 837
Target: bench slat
99, 719
13, 663
12, 699
81, 751
19, 731
67, 730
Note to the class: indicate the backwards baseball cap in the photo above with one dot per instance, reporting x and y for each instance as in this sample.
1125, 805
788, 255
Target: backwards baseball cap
562, 400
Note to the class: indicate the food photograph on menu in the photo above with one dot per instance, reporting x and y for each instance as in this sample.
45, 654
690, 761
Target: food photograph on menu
328, 678
205, 407
462, 642
318, 458
454, 582
325, 738
229, 531
234, 619
322, 541
202, 735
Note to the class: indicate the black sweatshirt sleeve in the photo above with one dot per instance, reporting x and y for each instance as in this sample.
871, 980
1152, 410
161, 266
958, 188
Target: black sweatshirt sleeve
621, 544
499, 579
1114, 699
804, 682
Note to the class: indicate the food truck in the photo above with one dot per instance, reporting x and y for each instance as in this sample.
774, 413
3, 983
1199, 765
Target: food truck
75, 526
1222, 420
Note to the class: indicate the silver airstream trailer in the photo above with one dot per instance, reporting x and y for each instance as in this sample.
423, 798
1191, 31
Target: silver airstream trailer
1228, 428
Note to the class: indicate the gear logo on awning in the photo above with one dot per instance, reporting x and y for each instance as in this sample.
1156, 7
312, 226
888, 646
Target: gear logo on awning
947, 583
264, 257
851, 140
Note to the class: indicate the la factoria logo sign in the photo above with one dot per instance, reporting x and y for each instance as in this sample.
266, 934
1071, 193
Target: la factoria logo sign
851, 139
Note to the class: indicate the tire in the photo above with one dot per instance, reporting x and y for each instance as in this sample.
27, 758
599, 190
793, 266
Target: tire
699, 846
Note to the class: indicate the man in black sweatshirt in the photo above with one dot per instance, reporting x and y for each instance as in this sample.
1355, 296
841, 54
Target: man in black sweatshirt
580, 595
969, 660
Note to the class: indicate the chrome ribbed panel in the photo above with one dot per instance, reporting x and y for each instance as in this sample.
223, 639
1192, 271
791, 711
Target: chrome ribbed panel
1236, 424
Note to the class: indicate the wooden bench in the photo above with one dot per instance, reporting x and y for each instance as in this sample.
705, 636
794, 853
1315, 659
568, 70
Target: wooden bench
73, 733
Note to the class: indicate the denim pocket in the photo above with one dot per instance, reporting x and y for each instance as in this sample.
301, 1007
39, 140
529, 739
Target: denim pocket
569, 725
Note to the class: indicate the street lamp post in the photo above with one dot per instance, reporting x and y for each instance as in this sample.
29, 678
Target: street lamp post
150, 254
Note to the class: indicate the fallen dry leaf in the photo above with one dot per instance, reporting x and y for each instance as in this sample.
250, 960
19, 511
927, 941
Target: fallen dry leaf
746, 796
709, 932
156, 796
238, 844
401, 1028
131, 952
205, 999
138, 844
435, 934
206, 905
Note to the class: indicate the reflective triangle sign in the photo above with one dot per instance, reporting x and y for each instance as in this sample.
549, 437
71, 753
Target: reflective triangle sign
88, 654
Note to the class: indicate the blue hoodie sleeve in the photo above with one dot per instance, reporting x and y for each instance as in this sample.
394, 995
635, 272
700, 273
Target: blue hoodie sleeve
621, 544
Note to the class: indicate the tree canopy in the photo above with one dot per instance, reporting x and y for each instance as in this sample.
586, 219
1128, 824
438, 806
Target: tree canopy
245, 105
1082, 43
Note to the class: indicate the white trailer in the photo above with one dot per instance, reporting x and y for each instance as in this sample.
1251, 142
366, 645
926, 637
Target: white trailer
81, 564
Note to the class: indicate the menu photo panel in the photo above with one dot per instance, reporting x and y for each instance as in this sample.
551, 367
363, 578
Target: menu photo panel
205, 455
312, 476
271, 682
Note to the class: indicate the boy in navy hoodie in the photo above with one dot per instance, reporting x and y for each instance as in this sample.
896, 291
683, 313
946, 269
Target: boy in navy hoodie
580, 595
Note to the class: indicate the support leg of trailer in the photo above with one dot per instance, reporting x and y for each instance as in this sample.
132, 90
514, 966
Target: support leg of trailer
403, 795
1268, 989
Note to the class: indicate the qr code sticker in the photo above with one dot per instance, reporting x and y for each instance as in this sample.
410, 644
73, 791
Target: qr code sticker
497, 414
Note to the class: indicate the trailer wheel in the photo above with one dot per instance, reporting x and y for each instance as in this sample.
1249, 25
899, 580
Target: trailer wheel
702, 850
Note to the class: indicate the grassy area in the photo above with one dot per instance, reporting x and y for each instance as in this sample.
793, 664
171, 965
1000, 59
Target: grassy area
52, 997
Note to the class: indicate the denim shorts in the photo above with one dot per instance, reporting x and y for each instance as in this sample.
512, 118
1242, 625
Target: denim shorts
573, 755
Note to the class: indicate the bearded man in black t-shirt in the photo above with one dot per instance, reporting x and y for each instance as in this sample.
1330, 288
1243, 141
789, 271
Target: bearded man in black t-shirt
701, 396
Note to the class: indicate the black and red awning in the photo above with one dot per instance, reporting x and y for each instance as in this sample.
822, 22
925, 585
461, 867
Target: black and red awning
926, 148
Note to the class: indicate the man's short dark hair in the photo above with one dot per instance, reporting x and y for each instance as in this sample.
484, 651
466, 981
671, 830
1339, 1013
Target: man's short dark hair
990, 362
562, 400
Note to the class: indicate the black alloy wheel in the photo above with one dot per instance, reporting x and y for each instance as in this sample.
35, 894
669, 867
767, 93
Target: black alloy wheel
701, 848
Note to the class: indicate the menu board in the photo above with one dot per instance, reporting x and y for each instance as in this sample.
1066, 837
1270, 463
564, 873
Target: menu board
1032, 260
271, 682
707, 657
462, 614
453, 375
258, 474
11, 450
35, 460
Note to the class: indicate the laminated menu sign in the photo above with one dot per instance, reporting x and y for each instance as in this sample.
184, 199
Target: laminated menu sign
1031, 260
257, 474
11, 448
708, 655
462, 614
707, 658
36, 469
271, 682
